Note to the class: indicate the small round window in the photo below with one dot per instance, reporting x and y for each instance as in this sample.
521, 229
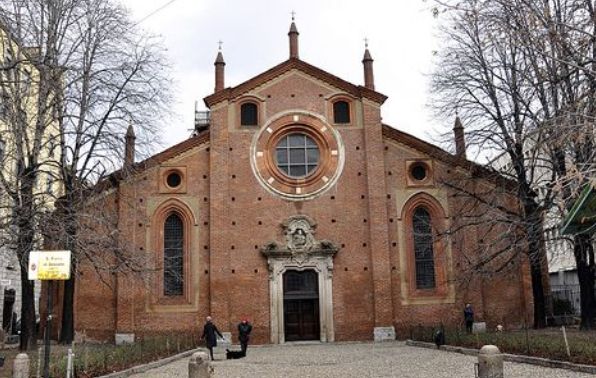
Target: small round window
174, 180
419, 171
297, 155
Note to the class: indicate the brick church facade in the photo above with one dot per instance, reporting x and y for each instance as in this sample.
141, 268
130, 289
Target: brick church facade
296, 207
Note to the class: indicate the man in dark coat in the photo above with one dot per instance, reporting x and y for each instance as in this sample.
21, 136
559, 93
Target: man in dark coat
469, 317
244, 329
209, 332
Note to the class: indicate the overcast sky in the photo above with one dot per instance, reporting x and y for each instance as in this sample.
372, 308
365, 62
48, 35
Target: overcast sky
401, 36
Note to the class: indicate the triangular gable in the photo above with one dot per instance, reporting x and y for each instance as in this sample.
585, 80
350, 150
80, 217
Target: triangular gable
290, 64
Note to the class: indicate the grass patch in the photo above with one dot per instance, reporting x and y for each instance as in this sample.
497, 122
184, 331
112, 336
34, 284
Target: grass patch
92, 360
547, 343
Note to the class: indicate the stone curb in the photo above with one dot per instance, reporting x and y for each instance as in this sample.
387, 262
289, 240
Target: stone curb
580, 368
151, 365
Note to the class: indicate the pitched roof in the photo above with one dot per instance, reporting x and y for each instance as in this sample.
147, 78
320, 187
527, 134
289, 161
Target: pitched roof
438, 153
112, 179
290, 64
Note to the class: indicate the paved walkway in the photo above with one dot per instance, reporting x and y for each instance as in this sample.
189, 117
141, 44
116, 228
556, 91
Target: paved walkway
343, 360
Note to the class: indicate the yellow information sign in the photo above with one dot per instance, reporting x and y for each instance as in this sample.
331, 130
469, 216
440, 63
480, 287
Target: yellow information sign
49, 265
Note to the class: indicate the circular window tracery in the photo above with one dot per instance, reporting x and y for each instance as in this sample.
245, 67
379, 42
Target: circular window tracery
297, 155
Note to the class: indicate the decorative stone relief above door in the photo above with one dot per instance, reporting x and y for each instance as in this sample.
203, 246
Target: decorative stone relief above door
300, 251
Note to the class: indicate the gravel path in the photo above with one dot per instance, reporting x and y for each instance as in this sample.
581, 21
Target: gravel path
341, 360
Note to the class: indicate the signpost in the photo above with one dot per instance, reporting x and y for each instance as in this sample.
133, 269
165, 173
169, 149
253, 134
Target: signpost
49, 266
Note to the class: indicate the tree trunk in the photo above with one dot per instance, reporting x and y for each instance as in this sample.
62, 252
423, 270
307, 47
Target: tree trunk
67, 329
584, 260
537, 255
28, 329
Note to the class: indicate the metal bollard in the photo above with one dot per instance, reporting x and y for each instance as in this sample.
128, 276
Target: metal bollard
20, 366
199, 366
490, 362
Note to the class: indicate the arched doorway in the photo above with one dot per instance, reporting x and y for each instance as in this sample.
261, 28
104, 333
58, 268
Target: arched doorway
301, 305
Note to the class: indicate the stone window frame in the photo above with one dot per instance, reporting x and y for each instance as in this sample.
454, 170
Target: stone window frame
249, 99
172, 206
428, 181
331, 155
164, 172
351, 109
441, 264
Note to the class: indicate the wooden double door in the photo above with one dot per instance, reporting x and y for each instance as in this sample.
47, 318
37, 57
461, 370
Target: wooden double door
301, 305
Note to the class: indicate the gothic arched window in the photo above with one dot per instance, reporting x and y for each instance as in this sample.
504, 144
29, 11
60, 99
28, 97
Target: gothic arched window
173, 256
423, 249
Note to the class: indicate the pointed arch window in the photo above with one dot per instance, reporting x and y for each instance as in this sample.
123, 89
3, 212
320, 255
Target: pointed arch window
423, 249
173, 255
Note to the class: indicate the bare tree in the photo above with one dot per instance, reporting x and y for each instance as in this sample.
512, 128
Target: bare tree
521, 73
105, 76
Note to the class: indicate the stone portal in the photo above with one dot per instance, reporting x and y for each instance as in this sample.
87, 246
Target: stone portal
300, 283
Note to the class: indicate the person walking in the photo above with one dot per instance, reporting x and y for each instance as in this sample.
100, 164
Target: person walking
469, 317
209, 335
244, 330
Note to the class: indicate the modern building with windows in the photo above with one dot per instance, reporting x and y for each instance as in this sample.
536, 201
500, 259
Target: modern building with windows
292, 204
18, 118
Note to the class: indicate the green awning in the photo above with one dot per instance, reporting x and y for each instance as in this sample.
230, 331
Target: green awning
581, 219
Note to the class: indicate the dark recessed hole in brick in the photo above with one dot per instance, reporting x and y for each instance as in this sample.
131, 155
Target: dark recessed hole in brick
292, 95
343, 245
394, 244
389, 173
258, 198
320, 95
141, 248
232, 247
233, 223
359, 173
207, 149
231, 149
256, 271
268, 96
260, 223
332, 197
206, 247
233, 271
346, 269
233, 176
204, 176
205, 199
140, 224
206, 223
449, 171
386, 148
364, 220
233, 198
362, 196
393, 268
365, 268
206, 271
145, 178
141, 200
332, 220
364, 244
388, 196
256, 247
357, 148
391, 220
